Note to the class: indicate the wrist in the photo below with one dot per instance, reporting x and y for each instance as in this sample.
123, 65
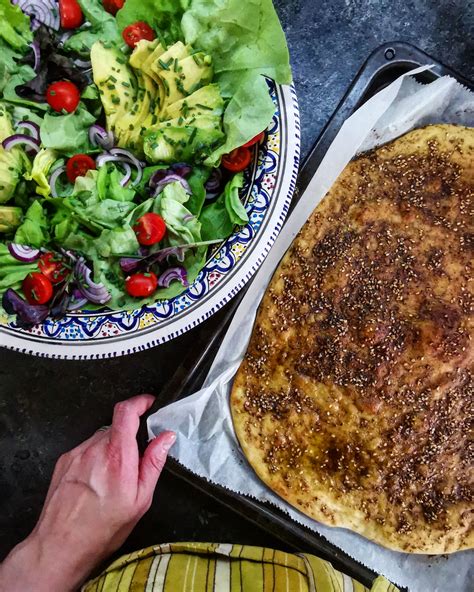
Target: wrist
35, 565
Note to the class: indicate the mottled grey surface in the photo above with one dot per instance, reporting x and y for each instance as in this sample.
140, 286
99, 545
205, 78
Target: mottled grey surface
48, 406
329, 42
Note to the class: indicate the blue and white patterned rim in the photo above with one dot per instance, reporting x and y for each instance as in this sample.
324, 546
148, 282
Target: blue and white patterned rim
268, 191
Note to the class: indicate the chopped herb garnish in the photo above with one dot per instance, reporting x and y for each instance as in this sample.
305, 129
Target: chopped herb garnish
201, 106
193, 135
164, 65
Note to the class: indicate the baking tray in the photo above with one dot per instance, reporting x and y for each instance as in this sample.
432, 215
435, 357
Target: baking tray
382, 67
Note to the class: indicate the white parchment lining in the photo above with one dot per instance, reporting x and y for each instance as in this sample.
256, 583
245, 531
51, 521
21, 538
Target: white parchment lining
206, 443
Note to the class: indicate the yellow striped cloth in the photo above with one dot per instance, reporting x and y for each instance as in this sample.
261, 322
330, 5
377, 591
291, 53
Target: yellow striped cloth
207, 567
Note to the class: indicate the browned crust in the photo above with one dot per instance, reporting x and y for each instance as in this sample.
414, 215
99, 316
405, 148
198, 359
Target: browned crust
355, 401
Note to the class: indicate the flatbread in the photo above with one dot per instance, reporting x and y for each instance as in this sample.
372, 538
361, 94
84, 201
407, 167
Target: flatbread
355, 399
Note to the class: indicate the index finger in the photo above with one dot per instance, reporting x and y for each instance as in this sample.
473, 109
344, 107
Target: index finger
126, 421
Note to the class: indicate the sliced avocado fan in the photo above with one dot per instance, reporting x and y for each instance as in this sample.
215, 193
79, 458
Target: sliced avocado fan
160, 102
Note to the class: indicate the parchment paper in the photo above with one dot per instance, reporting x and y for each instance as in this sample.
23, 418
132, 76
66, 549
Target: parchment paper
206, 443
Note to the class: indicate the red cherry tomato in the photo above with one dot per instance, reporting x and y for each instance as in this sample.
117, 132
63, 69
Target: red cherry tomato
37, 288
113, 6
78, 165
237, 160
63, 95
150, 229
256, 140
136, 32
70, 13
140, 285
53, 267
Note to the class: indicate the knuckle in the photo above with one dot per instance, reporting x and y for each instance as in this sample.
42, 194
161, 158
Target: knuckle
120, 407
64, 459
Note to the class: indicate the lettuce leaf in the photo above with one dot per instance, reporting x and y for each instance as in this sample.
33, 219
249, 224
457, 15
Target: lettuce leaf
162, 15
14, 26
249, 111
67, 133
12, 271
244, 50
219, 218
241, 35
33, 231
103, 27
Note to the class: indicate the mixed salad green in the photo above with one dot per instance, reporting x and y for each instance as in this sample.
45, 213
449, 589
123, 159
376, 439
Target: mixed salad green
125, 128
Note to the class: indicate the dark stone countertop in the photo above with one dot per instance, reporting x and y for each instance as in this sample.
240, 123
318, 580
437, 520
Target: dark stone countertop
48, 406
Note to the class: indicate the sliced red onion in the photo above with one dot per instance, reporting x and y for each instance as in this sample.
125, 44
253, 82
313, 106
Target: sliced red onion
94, 292
53, 179
69, 254
76, 300
126, 154
32, 127
128, 174
98, 136
171, 178
23, 253
21, 140
213, 185
182, 169
37, 54
187, 218
44, 12
119, 155
173, 274
65, 36
83, 64
130, 264
27, 314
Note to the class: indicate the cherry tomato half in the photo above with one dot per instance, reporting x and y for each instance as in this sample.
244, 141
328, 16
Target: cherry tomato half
237, 160
63, 95
150, 229
140, 285
52, 266
37, 288
113, 6
70, 13
78, 165
255, 140
136, 32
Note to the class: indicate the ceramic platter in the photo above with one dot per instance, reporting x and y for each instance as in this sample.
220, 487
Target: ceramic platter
268, 190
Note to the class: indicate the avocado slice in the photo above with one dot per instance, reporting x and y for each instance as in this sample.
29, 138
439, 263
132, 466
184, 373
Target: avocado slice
143, 50
10, 218
181, 76
183, 140
115, 80
12, 162
143, 114
159, 84
207, 100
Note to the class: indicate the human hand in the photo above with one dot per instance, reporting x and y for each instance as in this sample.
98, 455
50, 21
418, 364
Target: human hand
98, 492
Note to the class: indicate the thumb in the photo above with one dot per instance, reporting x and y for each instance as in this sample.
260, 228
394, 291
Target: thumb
153, 462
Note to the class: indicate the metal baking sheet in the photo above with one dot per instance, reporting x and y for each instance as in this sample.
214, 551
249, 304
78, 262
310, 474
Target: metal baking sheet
382, 67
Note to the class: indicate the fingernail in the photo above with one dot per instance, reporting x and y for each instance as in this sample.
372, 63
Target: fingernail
167, 440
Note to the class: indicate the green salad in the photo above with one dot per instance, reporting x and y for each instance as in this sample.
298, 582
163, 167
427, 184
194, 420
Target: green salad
125, 127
